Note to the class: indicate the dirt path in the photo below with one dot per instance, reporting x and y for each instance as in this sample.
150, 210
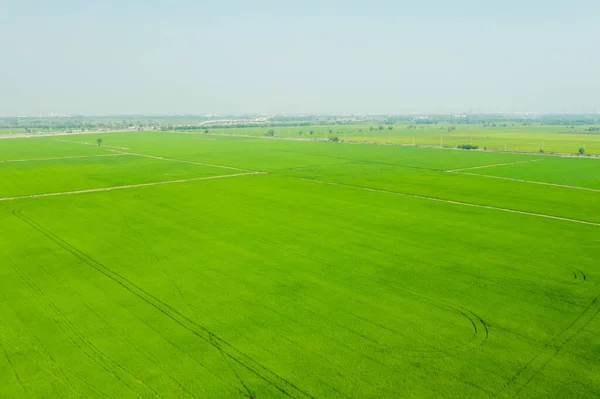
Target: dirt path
182, 161
491, 166
54, 134
94, 144
60, 158
530, 181
541, 215
94, 190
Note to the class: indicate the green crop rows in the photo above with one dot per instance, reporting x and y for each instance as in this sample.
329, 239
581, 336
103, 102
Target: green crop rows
168, 265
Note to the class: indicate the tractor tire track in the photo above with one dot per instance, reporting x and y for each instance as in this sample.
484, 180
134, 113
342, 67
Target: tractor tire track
284, 386
526, 374
39, 297
480, 327
178, 348
144, 353
50, 372
12, 366
93, 353
189, 305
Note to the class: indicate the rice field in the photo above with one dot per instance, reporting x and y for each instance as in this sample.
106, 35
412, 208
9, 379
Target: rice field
510, 138
170, 265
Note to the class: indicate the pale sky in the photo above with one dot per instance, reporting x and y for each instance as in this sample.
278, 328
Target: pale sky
313, 56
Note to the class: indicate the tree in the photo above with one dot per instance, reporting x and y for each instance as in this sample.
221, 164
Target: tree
99, 141
270, 133
371, 128
390, 127
581, 151
311, 132
330, 131
205, 130
380, 128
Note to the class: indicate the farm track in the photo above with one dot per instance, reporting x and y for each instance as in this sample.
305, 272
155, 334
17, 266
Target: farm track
526, 181
78, 340
279, 383
53, 368
541, 215
190, 162
537, 364
92, 144
95, 190
60, 158
492, 165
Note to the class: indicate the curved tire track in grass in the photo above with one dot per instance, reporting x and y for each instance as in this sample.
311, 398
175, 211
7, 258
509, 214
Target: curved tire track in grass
480, 328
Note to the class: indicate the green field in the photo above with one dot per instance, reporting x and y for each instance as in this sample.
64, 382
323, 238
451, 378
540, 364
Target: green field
512, 138
169, 265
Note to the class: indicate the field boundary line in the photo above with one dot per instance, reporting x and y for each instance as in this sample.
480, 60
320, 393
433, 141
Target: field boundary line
121, 152
95, 190
60, 158
541, 215
529, 181
491, 166
190, 162
86, 143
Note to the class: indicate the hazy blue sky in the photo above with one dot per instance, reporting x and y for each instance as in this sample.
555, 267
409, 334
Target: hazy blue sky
184, 56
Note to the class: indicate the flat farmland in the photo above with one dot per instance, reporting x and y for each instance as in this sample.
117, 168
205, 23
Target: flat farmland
506, 137
192, 265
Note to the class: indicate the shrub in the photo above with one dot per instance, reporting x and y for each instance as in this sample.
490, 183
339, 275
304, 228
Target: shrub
581, 151
468, 146
270, 133
334, 139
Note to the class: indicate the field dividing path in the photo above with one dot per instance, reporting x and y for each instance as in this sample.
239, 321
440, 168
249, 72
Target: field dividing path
61, 158
541, 215
86, 143
528, 181
492, 165
94, 190
190, 162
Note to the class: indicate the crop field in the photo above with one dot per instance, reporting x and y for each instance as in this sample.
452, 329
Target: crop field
499, 137
509, 138
172, 265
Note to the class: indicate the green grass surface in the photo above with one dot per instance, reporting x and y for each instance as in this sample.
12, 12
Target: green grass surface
272, 285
